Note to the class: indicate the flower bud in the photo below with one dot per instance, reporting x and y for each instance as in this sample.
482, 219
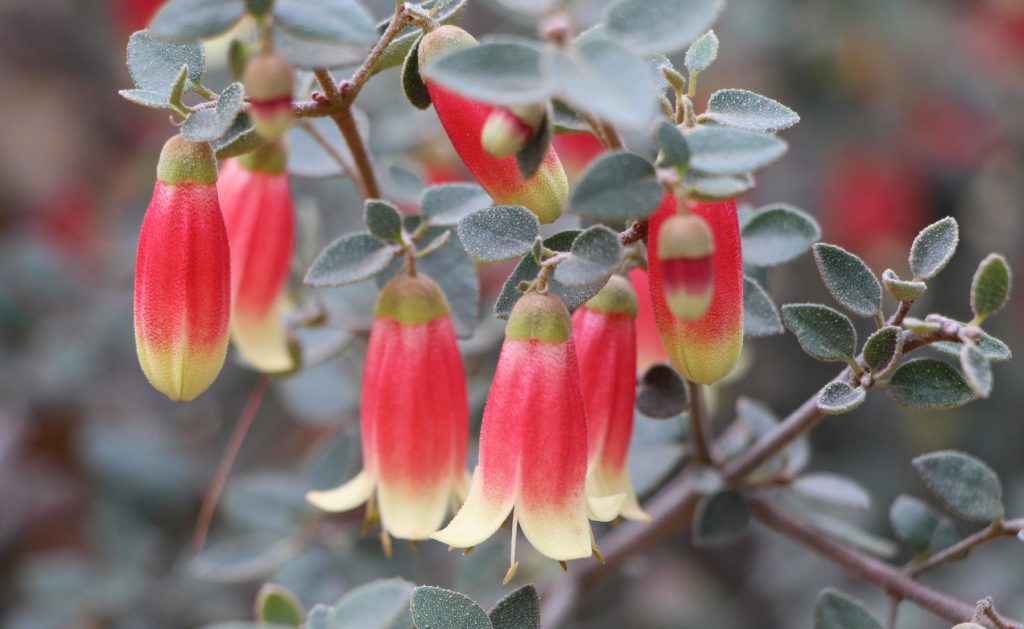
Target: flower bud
544, 193
704, 350
507, 131
255, 195
269, 82
414, 414
182, 275
685, 249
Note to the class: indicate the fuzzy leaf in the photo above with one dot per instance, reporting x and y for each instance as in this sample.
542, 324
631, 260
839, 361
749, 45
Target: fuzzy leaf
566, 120
618, 185
704, 186
383, 220
449, 203
381, 604
413, 87
437, 608
760, 317
239, 139
835, 610
449, 13
154, 64
277, 604
913, 521
241, 559
674, 150
499, 232
994, 350
593, 257
146, 98
849, 280
702, 53
990, 288
310, 54
965, 484
506, 72
742, 109
777, 234
531, 156
518, 610
977, 370
824, 333
350, 259
903, 290
727, 151
599, 76
650, 27
319, 617
335, 21
196, 19
722, 518
662, 393
883, 350
839, 397
527, 270
933, 248
208, 125
832, 489
927, 383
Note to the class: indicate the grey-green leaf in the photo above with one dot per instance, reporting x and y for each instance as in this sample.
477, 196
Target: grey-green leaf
518, 610
705, 186
319, 617
239, 139
506, 72
977, 370
776, 234
913, 521
965, 484
208, 125
395, 53
383, 220
499, 233
146, 98
701, 53
449, 203
277, 604
883, 350
835, 610
927, 383
933, 248
760, 317
437, 608
994, 350
832, 489
335, 21
903, 290
674, 150
662, 393
721, 518
381, 604
618, 185
413, 87
154, 64
650, 27
350, 259
527, 270
743, 109
727, 151
824, 333
990, 288
196, 19
594, 256
839, 397
849, 280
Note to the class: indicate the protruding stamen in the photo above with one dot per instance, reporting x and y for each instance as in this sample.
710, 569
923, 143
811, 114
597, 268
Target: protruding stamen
385, 544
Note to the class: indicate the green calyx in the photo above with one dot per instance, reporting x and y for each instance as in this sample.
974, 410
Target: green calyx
685, 237
270, 158
182, 161
539, 316
442, 40
268, 77
411, 300
617, 297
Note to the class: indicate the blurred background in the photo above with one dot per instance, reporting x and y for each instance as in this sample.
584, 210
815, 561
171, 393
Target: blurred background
911, 111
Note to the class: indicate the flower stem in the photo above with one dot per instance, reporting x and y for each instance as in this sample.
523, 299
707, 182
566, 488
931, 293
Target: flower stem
700, 429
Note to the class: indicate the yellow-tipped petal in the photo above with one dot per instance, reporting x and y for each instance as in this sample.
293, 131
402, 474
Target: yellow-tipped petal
480, 516
558, 533
601, 482
263, 342
411, 514
604, 508
347, 496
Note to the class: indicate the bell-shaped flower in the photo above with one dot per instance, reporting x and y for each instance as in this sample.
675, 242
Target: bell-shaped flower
182, 275
533, 442
260, 219
704, 350
464, 120
605, 335
414, 415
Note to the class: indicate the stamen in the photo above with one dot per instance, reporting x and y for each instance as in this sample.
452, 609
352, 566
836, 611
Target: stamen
385, 544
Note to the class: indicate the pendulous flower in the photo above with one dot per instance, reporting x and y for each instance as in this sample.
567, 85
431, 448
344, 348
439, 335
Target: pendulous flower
414, 415
508, 130
685, 250
533, 442
463, 119
260, 220
183, 275
704, 350
604, 331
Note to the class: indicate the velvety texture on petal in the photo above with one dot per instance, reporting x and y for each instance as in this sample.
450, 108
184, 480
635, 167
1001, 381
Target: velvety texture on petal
649, 350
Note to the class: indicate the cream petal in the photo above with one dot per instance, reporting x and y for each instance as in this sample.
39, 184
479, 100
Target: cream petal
604, 508
347, 496
602, 482
479, 517
263, 341
408, 513
561, 532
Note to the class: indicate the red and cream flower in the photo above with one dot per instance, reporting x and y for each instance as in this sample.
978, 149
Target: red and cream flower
269, 81
414, 415
182, 275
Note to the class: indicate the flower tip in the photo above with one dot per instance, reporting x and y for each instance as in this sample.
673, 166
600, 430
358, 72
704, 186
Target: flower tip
183, 161
411, 300
617, 297
539, 316
604, 508
348, 496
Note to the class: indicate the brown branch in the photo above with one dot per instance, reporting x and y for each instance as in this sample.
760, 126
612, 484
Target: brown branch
991, 532
700, 430
634, 233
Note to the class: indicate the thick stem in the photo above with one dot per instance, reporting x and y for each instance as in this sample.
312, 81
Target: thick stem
347, 125
700, 429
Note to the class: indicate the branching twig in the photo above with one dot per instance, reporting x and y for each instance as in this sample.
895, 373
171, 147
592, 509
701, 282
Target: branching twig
993, 531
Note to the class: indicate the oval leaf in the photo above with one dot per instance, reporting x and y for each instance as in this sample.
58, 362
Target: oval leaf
903, 290
500, 72
727, 151
449, 203
747, 110
662, 393
208, 125
381, 604
702, 53
196, 19
674, 150
593, 257
704, 186
849, 280
839, 397
154, 65
963, 483
722, 518
777, 234
650, 27
835, 610
437, 608
832, 489
994, 350
350, 259
277, 604
383, 220
518, 610
913, 521
883, 350
499, 233
990, 288
824, 333
977, 370
618, 185
760, 317
933, 248
337, 21
927, 383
